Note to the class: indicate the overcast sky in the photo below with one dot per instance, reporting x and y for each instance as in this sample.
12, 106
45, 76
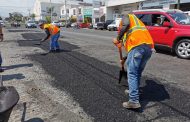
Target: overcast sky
22, 6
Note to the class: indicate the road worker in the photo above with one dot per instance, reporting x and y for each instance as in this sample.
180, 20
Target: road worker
52, 32
138, 44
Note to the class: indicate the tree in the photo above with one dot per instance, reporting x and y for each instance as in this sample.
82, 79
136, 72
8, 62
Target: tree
15, 16
49, 11
0, 18
48, 19
33, 16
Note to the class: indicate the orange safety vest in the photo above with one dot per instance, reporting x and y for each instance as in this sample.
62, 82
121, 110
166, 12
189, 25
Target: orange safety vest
137, 34
53, 29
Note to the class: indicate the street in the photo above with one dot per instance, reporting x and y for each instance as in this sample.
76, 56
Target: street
81, 82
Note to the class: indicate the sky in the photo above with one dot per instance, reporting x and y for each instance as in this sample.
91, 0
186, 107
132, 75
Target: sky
22, 6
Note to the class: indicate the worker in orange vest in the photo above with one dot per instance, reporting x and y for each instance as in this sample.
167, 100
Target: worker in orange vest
52, 32
138, 44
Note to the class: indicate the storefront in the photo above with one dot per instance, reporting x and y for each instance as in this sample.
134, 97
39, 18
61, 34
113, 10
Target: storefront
87, 15
114, 12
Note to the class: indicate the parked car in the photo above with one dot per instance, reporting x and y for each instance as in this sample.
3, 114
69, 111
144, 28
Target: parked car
15, 24
75, 25
2, 23
107, 23
90, 26
31, 24
84, 25
56, 23
68, 25
114, 25
99, 25
62, 24
95, 25
173, 31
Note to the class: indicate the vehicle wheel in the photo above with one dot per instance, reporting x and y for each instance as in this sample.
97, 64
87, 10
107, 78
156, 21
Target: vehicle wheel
182, 48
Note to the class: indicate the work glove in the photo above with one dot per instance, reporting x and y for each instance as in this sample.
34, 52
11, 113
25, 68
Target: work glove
117, 43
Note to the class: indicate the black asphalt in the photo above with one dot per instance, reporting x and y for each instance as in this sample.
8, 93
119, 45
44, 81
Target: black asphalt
94, 85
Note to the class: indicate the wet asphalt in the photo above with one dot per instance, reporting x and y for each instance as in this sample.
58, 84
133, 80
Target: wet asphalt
94, 85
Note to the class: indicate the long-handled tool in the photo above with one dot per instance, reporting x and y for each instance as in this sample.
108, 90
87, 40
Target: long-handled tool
122, 72
39, 43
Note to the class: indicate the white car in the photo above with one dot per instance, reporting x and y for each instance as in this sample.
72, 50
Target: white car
56, 23
2, 23
114, 25
31, 24
95, 26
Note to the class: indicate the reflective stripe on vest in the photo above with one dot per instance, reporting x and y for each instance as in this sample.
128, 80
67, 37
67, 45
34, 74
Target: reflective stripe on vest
137, 34
52, 29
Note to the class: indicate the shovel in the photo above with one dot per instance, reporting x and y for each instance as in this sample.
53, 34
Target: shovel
38, 43
122, 72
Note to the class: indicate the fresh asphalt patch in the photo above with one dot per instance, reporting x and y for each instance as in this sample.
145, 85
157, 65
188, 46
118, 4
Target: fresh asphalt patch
94, 85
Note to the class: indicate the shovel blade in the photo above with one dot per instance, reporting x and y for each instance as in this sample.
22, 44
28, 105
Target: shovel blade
122, 73
37, 44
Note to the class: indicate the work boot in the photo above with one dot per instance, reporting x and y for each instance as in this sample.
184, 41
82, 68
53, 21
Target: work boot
57, 50
51, 51
131, 105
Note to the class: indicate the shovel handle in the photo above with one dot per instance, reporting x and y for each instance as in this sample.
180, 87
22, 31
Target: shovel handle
121, 58
120, 54
1, 80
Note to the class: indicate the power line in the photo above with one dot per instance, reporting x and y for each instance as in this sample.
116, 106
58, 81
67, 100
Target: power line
15, 6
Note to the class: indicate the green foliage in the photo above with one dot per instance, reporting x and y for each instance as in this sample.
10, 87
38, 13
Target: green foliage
87, 19
33, 16
0, 18
15, 16
48, 19
73, 19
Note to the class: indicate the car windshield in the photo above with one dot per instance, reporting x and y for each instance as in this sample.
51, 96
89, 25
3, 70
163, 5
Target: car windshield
181, 18
100, 24
30, 22
113, 22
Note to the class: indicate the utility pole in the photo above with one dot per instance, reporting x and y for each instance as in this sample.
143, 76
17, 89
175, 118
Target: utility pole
178, 4
28, 14
51, 10
65, 12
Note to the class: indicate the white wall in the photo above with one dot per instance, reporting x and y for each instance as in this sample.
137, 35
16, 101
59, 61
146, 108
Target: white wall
121, 2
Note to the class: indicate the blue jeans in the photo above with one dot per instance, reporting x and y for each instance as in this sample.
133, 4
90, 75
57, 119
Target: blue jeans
54, 45
136, 61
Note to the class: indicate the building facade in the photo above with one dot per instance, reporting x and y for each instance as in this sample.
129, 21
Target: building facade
76, 10
165, 4
42, 9
115, 9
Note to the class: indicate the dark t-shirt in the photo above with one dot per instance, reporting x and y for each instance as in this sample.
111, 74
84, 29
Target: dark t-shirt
125, 26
